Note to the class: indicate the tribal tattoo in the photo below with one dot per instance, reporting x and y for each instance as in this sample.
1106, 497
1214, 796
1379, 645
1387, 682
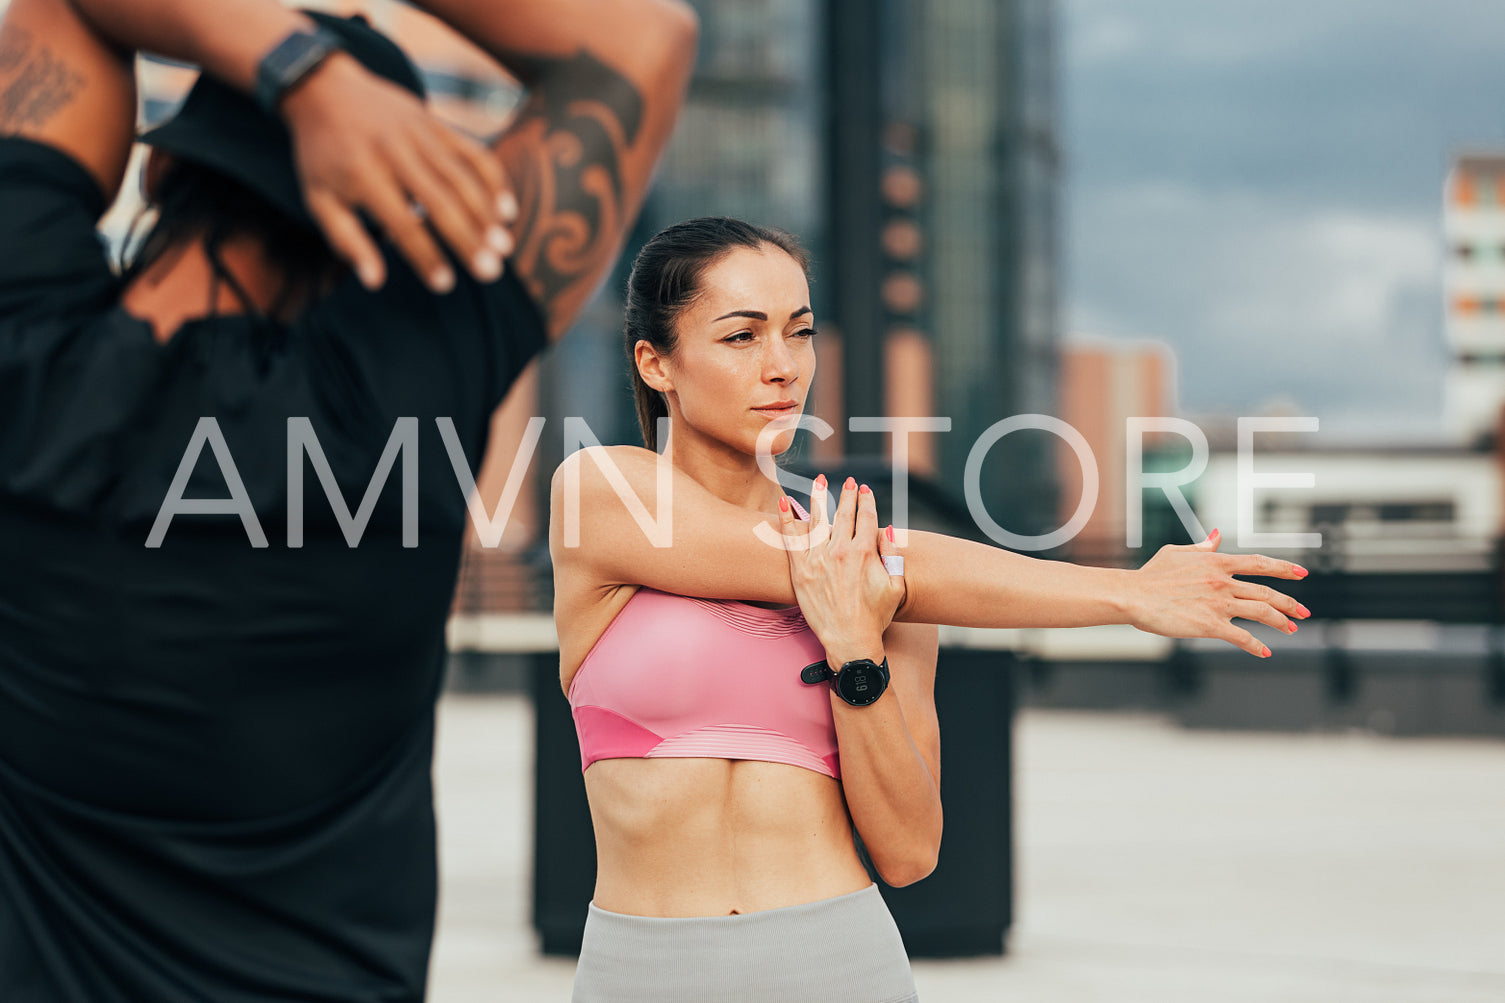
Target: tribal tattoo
568, 145
37, 85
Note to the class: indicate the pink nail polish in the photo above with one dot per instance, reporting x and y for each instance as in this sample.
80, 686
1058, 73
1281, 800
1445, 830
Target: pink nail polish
864, 490
1266, 653
1304, 611
1291, 628
1300, 571
851, 482
783, 503
890, 532
820, 482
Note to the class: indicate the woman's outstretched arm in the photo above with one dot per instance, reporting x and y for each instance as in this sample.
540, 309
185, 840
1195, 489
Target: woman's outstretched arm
711, 548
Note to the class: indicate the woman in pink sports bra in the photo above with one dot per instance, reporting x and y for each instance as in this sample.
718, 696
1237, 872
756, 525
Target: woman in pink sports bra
726, 769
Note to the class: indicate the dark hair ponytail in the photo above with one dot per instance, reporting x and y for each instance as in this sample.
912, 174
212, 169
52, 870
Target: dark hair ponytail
666, 278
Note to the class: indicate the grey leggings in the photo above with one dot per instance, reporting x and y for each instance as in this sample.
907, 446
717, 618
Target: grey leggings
839, 950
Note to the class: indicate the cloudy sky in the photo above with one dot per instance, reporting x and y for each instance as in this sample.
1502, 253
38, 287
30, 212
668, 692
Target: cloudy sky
1259, 184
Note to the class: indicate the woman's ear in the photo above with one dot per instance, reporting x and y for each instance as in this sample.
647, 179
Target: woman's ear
651, 367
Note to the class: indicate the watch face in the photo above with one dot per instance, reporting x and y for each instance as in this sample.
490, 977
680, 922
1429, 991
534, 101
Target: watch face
861, 683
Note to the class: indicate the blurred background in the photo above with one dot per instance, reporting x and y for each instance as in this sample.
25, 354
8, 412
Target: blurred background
1097, 211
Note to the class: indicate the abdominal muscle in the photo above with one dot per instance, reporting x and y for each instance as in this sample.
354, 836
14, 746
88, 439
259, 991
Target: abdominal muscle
713, 837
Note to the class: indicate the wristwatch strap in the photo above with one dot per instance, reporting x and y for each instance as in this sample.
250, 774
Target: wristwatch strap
294, 58
817, 672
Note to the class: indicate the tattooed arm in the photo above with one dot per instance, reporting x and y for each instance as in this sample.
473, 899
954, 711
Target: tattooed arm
605, 82
362, 144
67, 67
62, 84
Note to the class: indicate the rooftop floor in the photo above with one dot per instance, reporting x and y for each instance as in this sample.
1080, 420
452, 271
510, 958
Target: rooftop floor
1153, 864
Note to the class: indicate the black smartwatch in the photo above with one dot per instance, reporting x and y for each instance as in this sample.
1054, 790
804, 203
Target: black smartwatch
294, 58
860, 681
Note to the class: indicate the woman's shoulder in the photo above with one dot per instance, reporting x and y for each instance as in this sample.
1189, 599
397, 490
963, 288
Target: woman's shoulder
597, 493
596, 473
600, 455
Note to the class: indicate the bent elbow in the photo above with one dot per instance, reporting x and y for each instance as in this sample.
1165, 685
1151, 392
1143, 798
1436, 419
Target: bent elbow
685, 22
914, 867
678, 27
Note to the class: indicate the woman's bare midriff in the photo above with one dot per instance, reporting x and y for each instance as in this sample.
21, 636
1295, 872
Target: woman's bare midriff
713, 837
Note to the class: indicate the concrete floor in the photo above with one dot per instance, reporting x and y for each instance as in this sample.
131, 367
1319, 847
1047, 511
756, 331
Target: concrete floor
1154, 864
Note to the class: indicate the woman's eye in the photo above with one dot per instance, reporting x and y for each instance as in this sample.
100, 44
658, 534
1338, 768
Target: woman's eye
805, 332
739, 337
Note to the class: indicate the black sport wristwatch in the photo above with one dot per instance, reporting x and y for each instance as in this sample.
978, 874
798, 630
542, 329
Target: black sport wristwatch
859, 682
294, 58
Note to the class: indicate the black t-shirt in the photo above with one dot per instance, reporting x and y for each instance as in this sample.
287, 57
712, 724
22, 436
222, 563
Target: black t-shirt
215, 757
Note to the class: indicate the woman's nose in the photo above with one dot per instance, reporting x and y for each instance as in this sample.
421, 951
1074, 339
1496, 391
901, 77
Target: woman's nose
779, 364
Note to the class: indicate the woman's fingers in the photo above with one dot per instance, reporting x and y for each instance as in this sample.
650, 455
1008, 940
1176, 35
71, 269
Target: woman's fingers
1240, 638
1177, 573
846, 512
820, 523
818, 501
788, 527
866, 524
1260, 566
1263, 593
1246, 609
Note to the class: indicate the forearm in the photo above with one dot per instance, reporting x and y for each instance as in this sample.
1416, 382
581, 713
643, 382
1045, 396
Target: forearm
722, 551
228, 38
970, 584
605, 84
891, 793
530, 38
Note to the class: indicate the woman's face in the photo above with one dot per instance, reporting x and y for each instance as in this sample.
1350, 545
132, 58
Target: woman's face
745, 354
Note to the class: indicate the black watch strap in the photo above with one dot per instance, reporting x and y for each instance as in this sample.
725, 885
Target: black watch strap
294, 58
875, 680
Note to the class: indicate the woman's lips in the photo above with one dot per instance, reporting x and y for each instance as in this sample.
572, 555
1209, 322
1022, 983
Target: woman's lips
778, 409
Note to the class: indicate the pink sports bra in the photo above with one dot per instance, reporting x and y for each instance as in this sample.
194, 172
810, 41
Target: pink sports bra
677, 677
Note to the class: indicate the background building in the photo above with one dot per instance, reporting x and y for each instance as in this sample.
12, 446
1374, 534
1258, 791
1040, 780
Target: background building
944, 170
1103, 385
1474, 293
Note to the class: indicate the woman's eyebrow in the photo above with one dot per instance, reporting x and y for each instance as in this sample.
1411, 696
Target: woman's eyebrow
759, 314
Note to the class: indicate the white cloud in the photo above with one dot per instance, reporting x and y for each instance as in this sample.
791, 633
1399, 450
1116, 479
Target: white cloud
1263, 300
1104, 39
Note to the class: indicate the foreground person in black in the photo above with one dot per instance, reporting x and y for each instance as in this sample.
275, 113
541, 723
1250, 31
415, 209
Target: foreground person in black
215, 751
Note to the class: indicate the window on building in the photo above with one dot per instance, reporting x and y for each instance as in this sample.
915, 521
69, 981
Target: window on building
1329, 514
1419, 511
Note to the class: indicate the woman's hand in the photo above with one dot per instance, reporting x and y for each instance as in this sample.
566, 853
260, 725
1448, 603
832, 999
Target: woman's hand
362, 143
1191, 591
845, 592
